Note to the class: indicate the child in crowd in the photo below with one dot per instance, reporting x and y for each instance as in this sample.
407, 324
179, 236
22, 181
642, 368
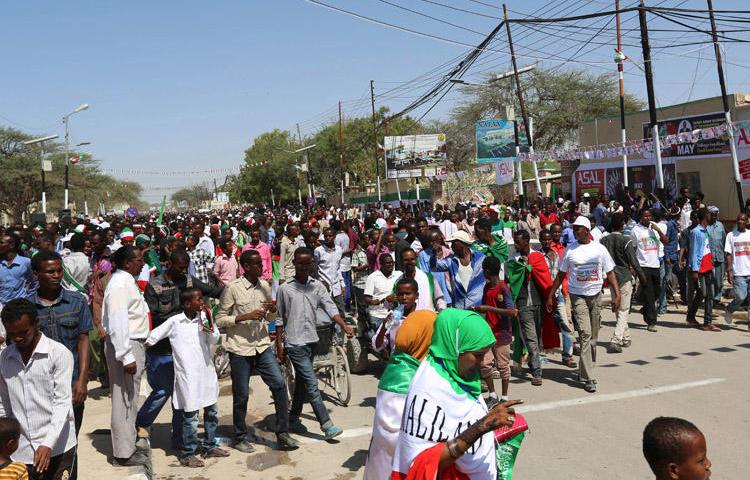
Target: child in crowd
10, 432
196, 387
497, 306
676, 450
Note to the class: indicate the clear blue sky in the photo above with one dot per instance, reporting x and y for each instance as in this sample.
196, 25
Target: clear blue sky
187, 85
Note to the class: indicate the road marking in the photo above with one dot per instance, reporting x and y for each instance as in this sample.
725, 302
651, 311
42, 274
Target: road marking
610, 397
541, 407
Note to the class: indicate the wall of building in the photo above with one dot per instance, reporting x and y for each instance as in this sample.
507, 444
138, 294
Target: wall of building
715, 174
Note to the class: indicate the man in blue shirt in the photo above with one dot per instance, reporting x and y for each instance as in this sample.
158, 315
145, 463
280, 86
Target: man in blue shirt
465, 269
16, 278
64, 316
671, 250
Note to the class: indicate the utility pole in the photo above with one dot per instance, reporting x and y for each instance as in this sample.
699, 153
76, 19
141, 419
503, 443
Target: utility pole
654, 125
307, 164
524, 115
375, 136
725, 101
620, 59
341, 151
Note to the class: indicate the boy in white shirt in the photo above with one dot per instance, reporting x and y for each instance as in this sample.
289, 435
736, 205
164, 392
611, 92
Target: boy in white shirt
649, 241
737, 249
196, 387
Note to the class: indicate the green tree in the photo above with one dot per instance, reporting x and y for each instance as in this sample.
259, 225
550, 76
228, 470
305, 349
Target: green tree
269, 170
193, 195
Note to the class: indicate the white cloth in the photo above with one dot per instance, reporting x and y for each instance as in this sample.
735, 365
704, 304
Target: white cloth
662, 226
434, 412
195, 382
464, 274
78, 267
596, 234
39, 396
430, 296
329, 267
586, 266
124, 314
737, 244
342, 241
378, 286
389, 407
646, 246
207, 244
448, 228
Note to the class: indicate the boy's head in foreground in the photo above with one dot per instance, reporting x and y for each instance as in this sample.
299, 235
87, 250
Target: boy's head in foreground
675, 449
10, 432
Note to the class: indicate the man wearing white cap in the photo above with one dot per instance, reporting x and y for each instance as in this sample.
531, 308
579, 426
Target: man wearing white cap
586, 264
465, 269
584, 208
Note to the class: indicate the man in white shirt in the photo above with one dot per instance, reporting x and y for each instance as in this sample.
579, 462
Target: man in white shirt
35, 389
328, 258
737, 249
379, 292
342, 241
448, 226
586, 263
76, 266
647, 237
125, 319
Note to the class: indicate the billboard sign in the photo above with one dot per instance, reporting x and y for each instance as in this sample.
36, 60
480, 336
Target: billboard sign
504, 171
713, 147
414, 155
495, 140
742, 142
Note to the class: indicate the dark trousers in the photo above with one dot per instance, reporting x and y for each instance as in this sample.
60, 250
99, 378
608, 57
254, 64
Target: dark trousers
703, 290
530, 321
78, 416
306, 384
268, 368
348, 282
160, 376
61, 467
651, 291
362, 313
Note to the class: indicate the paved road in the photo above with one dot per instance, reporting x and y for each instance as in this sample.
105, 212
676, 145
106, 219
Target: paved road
677, 371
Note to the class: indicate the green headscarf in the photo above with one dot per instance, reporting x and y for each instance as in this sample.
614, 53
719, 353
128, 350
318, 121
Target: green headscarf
456, 332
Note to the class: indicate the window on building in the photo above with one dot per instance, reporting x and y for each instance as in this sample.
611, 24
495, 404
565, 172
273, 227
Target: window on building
690, 180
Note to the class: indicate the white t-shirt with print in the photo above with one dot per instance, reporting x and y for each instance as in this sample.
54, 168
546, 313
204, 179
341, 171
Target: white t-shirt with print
738, 245
586, 266
646, 246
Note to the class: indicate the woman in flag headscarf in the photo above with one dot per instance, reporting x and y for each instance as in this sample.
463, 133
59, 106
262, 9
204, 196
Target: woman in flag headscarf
446, 430
411, 346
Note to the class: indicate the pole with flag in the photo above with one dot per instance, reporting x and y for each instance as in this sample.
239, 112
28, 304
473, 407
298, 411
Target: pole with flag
160, 221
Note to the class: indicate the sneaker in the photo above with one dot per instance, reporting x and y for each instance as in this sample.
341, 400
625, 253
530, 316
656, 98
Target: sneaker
332, 432
626, 343
137, 459
192, 461
295, 426
711, 328
651, 328
536, 381
285, 442
727, 317
590, 387
244, 446
614, 347
215, 452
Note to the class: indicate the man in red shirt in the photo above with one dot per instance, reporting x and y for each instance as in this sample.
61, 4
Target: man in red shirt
548, 216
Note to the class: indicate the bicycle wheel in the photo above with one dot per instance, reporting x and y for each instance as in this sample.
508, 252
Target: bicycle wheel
287, 370
341, 378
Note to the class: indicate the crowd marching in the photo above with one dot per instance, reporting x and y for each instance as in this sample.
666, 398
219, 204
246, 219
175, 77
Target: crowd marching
454, 298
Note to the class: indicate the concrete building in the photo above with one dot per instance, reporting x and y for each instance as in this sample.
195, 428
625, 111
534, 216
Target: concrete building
703, 166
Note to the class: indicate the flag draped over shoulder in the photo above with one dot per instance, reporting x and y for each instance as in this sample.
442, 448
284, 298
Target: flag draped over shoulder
536, 270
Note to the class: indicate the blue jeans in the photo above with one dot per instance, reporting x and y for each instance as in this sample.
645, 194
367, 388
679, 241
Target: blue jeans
190, 430
666, 279
268, 368
306, 384
160, 376
741, 287
718, 280
567, 340
348, 283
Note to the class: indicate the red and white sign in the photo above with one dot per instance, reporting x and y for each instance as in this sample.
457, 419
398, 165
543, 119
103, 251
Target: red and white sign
742, 142
590, 181
504, 171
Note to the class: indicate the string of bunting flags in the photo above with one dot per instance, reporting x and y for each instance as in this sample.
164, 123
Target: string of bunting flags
133, 171
597, 152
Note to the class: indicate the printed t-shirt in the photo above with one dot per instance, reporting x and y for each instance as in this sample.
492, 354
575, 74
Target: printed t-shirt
647, 246
586, 266
738, 245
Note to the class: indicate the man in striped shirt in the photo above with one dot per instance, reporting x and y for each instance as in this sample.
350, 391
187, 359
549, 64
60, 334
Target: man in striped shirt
35, 374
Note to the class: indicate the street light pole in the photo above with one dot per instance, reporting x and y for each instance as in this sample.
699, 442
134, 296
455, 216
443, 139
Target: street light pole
66, 121
41, 141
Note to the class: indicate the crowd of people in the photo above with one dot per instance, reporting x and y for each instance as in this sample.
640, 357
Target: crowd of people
453, 298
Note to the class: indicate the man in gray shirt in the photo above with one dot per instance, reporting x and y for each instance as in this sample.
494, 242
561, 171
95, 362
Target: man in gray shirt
328, 256
297, 302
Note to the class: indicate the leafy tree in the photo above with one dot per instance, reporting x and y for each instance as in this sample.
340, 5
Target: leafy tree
193, 195
21, 183
268, 171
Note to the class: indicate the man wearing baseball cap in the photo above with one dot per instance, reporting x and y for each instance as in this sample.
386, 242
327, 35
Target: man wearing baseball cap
464, 267
586, 263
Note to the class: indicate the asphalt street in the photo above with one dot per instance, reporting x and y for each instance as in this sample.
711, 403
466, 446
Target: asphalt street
677, 371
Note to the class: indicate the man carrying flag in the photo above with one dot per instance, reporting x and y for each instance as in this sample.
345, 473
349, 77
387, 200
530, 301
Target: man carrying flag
530, 283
